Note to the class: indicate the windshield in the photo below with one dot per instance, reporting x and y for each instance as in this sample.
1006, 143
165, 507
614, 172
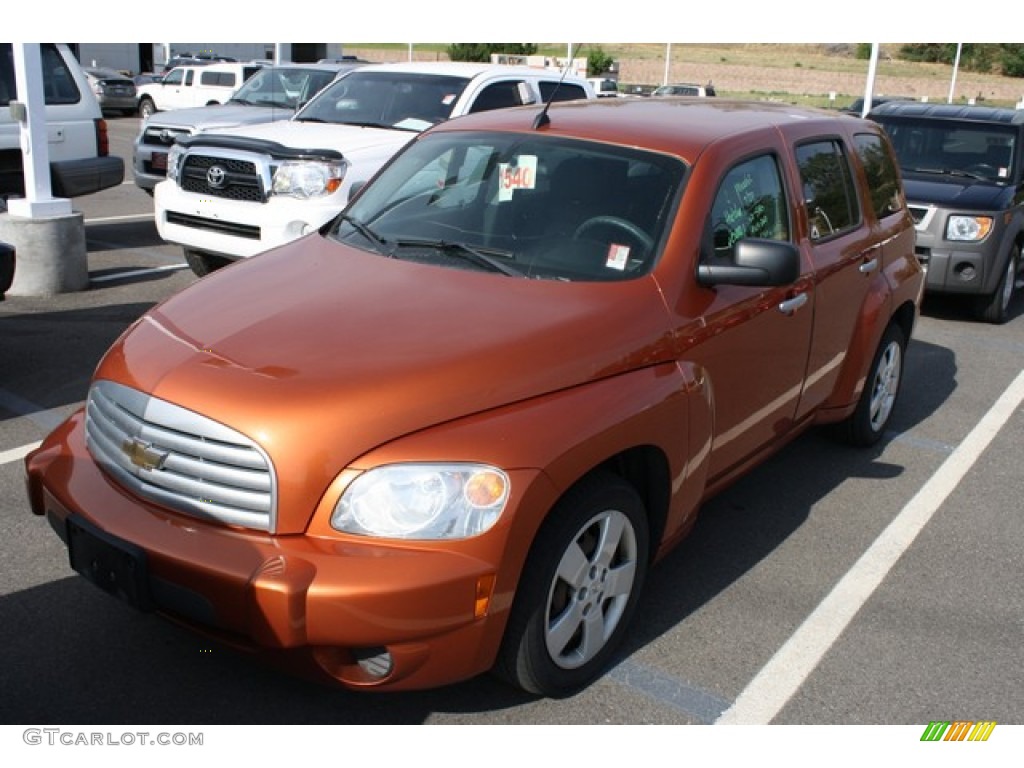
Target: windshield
534, 206
283, 86
387, 99
975, 150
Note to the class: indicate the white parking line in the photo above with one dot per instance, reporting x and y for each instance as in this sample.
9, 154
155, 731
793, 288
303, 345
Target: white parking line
137, 272
126, 217
786, 671
16, 454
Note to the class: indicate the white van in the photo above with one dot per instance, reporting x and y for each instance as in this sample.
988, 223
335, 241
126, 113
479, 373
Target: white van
195, 85
78, 144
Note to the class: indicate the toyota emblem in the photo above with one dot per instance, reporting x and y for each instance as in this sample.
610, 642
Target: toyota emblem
216, 177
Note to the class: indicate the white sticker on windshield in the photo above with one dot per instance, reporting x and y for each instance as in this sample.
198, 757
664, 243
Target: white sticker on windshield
521, 173
618, 256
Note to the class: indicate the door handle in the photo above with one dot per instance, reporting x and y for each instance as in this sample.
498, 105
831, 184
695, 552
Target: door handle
789, 306
868, 266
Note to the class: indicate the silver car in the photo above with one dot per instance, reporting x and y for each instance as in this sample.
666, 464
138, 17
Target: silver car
114, 91
273, 93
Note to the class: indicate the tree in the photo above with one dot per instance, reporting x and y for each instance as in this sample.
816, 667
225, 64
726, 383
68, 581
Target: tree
598, 62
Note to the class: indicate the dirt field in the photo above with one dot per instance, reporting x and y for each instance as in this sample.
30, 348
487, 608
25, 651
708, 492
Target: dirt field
787, 72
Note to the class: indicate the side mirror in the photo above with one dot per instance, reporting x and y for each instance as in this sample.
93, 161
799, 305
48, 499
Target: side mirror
757, 262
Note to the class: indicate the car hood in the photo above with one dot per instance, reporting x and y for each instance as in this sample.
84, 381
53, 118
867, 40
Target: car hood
951, 191
218, 116
347, 139
321, 353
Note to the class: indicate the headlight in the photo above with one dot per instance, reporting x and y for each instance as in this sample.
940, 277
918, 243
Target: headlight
174, 157
302, 178
968, 228
423, 501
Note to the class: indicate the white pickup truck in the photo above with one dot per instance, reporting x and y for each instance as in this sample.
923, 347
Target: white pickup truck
233, 193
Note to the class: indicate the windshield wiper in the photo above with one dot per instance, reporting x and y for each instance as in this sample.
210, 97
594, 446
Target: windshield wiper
949, 172
468, 252
367, 232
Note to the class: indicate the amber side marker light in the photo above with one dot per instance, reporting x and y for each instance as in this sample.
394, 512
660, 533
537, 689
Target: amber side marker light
484, 589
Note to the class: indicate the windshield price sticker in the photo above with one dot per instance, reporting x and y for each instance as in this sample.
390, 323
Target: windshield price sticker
618, 256
521, 173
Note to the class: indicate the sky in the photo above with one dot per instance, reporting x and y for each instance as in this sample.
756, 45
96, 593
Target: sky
637, 21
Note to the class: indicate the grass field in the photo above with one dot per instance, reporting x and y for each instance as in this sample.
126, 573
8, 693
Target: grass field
797, 73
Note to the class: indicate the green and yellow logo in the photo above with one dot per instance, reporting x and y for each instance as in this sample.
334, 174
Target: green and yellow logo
958, 730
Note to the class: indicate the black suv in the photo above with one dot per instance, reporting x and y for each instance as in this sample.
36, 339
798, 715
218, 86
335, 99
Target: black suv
962, 172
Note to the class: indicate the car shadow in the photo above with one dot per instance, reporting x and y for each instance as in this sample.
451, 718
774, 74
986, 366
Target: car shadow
83, 657
49, 356
122, 235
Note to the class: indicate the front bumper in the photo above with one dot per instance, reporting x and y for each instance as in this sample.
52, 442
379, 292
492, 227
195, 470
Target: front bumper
238, 229
365, 614
955, 267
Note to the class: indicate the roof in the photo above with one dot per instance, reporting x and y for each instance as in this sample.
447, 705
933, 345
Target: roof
683, 127
948, 112
468, 69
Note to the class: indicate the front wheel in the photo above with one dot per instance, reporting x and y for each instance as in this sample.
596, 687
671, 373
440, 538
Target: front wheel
146, 108
204, 263
995, 308
579, 589
874, 410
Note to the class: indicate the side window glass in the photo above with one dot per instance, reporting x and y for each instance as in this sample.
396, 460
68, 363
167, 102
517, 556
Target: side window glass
58, 82
883, 179
174, 77
829, 193
59, 85
189, 76
563, 92
750, 202
497, 96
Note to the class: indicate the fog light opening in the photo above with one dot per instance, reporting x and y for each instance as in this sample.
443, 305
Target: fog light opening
965, 271
375, 662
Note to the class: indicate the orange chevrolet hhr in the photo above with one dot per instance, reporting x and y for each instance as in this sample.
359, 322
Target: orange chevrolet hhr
452, 431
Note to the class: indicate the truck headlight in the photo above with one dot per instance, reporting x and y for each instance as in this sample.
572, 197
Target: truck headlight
423, 501
307, 178
174, 157
968, 228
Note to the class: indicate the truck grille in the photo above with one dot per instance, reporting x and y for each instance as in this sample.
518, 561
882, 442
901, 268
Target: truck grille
222, 177
159, 136
180, 459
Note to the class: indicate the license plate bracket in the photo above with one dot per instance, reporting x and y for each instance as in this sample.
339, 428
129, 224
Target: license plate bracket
112, 564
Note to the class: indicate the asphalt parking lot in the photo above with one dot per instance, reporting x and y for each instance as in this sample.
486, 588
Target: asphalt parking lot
829, 586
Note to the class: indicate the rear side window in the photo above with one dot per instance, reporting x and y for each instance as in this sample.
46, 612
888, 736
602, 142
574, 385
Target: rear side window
224, 79
58, 83
563, 92
750, 202
880, 169
829, 192
498, 96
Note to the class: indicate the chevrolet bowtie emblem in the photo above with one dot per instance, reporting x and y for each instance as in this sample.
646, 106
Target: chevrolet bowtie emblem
142, 454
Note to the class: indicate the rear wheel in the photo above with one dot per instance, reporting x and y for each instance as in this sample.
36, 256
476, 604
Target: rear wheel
994, 309
867, 423
204, 263
579, 589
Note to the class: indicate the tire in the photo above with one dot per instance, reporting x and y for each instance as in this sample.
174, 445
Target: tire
146, 108
868, 422
204, 263
575, 599
994, 309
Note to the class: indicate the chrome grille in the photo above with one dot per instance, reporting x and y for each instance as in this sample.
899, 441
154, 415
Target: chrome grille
160, 136
180, 459
918, 213
239, 179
